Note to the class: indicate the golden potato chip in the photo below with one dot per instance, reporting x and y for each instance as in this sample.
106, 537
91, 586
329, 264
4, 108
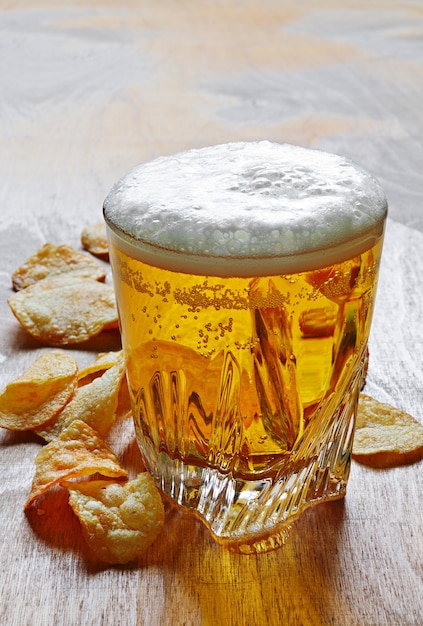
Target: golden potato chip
119, 521
50, 260
65, 309
104, 361
40, 393
386, 436
79, 451
95, 404
94, 239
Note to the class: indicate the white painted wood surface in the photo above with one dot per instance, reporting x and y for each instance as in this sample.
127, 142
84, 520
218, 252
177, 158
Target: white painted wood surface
87, 90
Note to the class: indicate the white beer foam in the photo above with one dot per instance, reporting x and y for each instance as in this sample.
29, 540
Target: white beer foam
246, 201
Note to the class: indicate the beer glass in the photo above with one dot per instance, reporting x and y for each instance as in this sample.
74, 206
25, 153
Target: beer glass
245, 278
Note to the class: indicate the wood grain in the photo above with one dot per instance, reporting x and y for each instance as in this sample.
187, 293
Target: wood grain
88, 90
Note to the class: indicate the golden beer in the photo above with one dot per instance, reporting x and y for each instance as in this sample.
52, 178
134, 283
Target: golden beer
244, 383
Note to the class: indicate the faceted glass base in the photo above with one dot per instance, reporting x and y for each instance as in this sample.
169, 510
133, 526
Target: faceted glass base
254, 516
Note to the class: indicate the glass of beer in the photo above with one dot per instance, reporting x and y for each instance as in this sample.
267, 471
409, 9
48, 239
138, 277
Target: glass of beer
245, 278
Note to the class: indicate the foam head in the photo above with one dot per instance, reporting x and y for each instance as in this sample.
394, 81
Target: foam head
246, 208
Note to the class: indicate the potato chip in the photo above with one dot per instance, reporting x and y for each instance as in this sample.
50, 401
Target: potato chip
95, 404
50, 260
40, 393
103, 362
386, 436
65, 309
119, 521
79, 451
94, 239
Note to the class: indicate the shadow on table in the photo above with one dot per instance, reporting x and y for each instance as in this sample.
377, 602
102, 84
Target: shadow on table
203, 583
53, 522
296, 584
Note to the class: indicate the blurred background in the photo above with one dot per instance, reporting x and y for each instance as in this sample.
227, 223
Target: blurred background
90, 89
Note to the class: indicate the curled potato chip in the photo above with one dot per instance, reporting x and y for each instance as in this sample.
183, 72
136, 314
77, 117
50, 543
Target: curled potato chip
386, 436
65, 309
119, 521
95, 404
40, 393
79, 451
50, 260
103, 362
94, 240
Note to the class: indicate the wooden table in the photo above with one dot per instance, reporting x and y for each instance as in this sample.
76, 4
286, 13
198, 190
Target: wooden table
89, 91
